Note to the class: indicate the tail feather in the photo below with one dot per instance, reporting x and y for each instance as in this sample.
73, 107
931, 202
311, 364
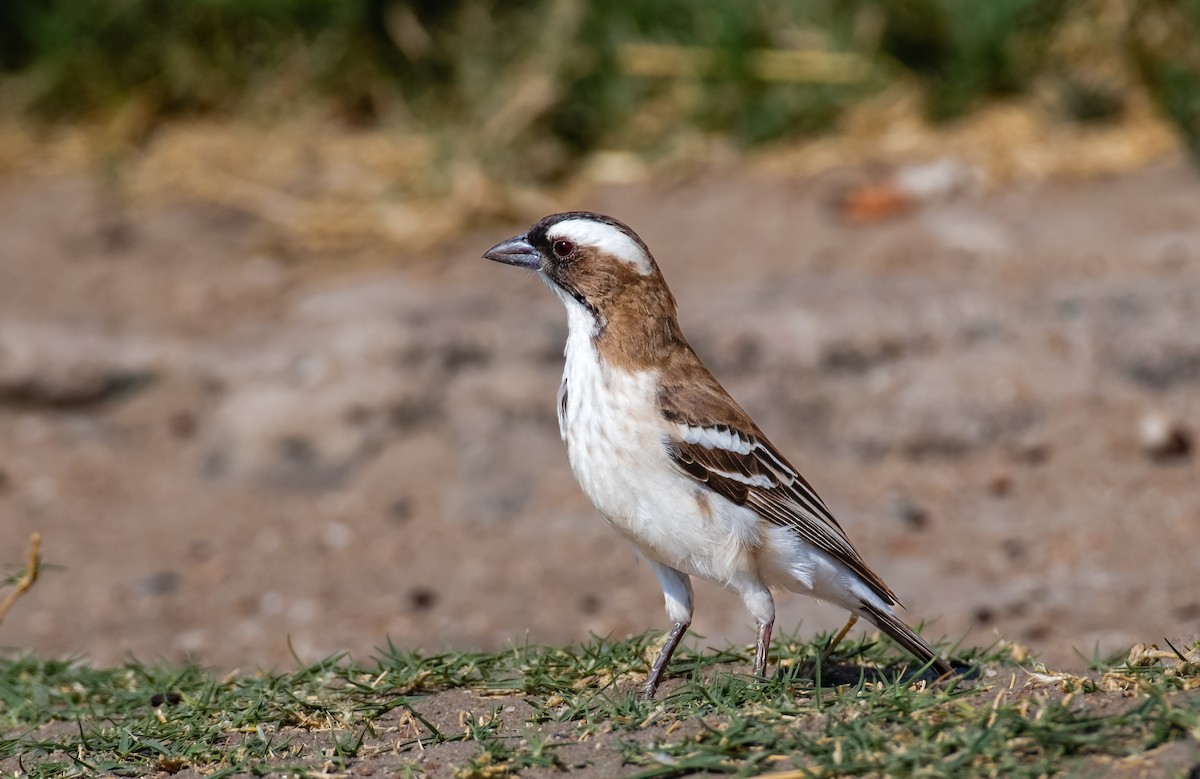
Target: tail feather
905, 636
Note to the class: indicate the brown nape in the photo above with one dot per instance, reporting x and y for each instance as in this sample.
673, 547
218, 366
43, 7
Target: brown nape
637, 313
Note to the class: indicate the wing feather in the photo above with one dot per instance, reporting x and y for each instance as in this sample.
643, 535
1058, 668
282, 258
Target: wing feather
713, 441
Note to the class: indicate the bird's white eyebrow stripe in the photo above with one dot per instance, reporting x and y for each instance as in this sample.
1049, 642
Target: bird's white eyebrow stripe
606, 237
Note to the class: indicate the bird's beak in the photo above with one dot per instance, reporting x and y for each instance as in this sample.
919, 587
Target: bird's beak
515, 251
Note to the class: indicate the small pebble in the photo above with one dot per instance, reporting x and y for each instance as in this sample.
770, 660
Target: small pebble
1015, 549
1189, 611
337, 536
1037, 632
910, 513
182, 424
400, 511
1164, 439
422, 598
159, 583
1000, 485
1031, 452
200, 551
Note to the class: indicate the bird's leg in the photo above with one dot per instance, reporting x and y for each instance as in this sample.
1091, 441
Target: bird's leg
761, 605
677, 594
664, 657
838, 638
762, 648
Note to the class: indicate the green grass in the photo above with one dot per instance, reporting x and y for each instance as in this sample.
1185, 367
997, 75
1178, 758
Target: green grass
861, 714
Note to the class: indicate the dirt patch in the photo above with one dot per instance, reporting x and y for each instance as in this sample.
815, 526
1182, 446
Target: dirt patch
236, 452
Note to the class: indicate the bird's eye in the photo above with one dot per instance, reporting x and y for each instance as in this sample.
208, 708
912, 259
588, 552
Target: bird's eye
563, 247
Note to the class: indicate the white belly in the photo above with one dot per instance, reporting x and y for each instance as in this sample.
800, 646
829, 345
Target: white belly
614, 435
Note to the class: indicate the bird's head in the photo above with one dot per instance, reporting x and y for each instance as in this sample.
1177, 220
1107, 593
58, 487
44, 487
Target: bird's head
591, 260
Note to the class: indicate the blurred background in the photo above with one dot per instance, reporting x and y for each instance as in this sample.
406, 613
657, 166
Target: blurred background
260, 396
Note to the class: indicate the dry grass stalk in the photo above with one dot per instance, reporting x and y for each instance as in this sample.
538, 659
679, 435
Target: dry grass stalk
779, 65
27, 578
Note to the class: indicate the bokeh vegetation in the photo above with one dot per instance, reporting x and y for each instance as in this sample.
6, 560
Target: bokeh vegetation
533, 85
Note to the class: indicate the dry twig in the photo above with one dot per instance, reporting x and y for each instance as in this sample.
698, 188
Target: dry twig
27, 578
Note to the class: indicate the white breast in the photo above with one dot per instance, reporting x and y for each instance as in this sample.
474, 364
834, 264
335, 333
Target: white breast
609, 423
615, 440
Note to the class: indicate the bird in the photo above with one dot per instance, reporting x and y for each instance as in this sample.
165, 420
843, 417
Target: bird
671, 461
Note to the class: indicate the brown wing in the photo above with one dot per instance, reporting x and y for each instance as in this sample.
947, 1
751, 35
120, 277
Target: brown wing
716, 443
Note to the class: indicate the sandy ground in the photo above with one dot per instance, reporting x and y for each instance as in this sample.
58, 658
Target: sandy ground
229, 445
